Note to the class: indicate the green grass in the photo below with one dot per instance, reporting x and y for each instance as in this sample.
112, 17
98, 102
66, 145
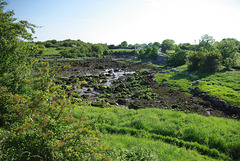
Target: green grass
117, 50
224, 85
148, 149
207, 136
51, 52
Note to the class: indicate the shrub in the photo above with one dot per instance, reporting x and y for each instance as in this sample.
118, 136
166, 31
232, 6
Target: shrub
177, 59
195, 59
205, 62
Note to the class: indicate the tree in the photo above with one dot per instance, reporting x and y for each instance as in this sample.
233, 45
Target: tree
228, 49
157, 44
206, 43
154, 53
124, 44
35, 118
150, 44
13, 50
167, 44
149, 53
185, 46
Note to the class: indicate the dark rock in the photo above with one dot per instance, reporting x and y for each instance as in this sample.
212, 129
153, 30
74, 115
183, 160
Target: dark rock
174, 106
222, 104
132, 105
235, 109
207, 104
122, 102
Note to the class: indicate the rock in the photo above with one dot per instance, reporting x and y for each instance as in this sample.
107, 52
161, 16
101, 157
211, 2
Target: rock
122, 102
132, 105
222, 104
207, 104
174, 106
235, 109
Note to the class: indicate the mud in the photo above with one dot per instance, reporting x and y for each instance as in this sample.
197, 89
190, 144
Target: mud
109, 82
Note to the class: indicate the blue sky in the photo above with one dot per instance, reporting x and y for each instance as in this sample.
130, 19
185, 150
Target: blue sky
134, 21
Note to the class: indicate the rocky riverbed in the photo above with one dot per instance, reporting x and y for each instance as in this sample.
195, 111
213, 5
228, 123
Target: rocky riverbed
108, 82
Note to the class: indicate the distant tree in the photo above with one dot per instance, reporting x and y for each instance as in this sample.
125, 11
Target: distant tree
154, 53
141, 54
185, 46
124, 44
150, 44
228, 49
97, 50
130, 46
167, 44
206, 43
157, 44
112, 46
149, 53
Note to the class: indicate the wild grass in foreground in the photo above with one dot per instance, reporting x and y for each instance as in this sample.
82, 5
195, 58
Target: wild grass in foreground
208, 136
127, 147
224, 85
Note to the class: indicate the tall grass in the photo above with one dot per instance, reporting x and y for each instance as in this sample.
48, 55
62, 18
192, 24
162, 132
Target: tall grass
135, 148
212, 136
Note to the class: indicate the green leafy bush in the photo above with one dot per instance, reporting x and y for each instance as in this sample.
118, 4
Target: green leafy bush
177, 59
206, 62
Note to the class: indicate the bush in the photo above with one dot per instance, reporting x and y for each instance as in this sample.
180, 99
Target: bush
177, 59
36, 123
205, 62
195, 59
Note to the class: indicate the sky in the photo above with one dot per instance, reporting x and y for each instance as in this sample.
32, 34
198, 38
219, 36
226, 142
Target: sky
134, 21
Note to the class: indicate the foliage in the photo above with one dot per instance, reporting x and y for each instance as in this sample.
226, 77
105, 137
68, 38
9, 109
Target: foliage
11, 47
228, 49
223, 85
167, 44
123, 52
72, 48
124, 44
206, 43
149, 53
211, 62
177, 59
210, 136
207, 62
36, 123
157, 44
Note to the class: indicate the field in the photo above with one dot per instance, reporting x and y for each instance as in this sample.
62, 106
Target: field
51, 52
158, 134
121, 50
224, 85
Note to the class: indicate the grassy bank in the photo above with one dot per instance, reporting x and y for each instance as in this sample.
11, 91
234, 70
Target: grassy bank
191, 134
224, 85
